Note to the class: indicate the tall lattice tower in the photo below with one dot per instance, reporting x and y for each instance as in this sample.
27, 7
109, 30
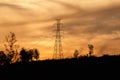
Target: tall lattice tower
58, 52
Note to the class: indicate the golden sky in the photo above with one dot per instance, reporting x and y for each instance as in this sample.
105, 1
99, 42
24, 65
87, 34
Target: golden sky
84, 22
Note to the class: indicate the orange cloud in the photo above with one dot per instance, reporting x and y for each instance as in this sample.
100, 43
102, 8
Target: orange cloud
83, 23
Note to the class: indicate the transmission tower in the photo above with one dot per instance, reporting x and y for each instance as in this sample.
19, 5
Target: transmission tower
58, 52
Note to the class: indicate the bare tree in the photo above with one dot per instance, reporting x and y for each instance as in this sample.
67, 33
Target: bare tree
10, 46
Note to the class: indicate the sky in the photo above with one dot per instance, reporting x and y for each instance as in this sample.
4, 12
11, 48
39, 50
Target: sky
83, 22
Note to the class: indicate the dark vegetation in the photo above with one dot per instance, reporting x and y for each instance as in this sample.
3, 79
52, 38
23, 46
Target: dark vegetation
12, 55
105, 66
25, 64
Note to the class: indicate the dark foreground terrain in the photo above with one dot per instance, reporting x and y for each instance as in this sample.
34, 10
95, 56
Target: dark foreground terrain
80, 68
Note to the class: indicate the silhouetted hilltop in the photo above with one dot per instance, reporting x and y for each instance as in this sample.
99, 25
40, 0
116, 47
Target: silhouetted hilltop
64, 68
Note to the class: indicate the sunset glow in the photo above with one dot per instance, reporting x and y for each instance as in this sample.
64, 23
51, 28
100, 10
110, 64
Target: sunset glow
84, 22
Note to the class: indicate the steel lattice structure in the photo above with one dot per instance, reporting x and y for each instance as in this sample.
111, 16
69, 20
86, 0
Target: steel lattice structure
58, 52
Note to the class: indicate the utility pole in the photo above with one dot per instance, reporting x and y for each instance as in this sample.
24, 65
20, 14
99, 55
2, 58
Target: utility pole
58, 52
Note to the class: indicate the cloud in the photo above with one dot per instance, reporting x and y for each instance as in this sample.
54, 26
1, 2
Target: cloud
103, 21
13, 6
67, 5
82, 23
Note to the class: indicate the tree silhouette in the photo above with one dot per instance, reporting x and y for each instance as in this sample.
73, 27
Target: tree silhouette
35, 54
29, 55
2, 58
76, 53
90, 46
23, 55
10, 46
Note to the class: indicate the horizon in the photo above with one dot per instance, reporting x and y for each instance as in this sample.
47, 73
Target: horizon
83, 23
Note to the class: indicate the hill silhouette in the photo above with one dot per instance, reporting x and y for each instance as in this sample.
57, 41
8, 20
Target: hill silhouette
69, 68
